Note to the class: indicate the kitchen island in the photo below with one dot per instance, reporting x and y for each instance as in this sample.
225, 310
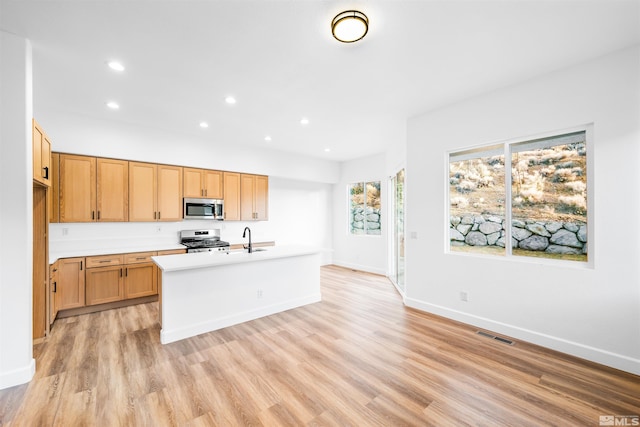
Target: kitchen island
202, 292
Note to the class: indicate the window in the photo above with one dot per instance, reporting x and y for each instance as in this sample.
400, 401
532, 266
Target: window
364, 208
537, 187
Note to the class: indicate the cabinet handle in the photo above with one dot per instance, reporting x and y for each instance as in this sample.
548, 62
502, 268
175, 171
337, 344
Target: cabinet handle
104, 260
55, 287
206, 192
154, 215
202, 192
80, 265
98, 215
140, 257
93, 214
126, 272
46, 172
158, 215
120, 272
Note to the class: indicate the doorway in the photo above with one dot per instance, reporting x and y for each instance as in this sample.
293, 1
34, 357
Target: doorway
397, 230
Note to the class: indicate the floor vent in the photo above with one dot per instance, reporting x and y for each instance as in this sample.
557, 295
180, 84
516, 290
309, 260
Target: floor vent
493, 337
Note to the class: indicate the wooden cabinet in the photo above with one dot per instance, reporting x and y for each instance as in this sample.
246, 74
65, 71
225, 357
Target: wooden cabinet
53, 292
105, 284
155, 192
169, 193
254, 197
41, 155
231, 196
53, 195
93, 189
69, 287
140, 280
203, 183
77, 188
112, 190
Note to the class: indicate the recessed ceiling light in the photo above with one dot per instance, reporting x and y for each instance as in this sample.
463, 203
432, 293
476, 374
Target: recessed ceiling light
326, 150
267, 138
304, 121
204, 125
113, 105
230, 100
115, 65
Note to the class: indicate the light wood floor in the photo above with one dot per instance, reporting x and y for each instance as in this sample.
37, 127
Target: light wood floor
357, 358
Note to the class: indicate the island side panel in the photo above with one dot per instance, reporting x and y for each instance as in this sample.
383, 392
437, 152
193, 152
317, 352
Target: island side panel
205, 299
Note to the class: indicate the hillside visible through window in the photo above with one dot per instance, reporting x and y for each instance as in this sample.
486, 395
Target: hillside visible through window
548, 215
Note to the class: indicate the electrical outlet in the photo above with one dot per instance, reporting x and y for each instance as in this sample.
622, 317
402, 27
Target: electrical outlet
464, 296
259, 293
65, 231
158, 229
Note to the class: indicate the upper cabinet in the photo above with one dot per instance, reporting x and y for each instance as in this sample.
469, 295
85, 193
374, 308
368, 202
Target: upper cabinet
231, 196
54, 193
77, 188
155, 192
203, 183
254, 197
93, 189
112, 190
41, 155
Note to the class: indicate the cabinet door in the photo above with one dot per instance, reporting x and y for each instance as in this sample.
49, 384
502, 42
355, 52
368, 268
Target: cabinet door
77, 188
247, 189
70, 284
140, 280
53, 194
104, 284
41, 155
192, 182
169, 193
261, 197
231, 196
53, 292
112, 190
213, 184
142, 191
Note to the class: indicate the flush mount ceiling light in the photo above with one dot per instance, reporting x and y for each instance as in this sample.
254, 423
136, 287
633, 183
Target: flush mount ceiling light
113, 105
349, 26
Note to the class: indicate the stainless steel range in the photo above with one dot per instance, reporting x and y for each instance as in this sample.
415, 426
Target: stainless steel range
203, 241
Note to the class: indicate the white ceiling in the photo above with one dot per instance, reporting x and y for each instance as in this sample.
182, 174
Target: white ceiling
279, 60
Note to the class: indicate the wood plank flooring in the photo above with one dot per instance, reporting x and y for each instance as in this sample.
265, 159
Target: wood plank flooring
358, 358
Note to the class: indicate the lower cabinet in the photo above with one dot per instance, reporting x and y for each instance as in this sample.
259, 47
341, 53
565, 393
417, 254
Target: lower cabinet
69, 285
95, 280
105, 284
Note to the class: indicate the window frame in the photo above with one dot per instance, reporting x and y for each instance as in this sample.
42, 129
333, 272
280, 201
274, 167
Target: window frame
348, 222
508, 255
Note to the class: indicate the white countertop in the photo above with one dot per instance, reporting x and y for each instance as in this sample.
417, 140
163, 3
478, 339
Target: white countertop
168, 263
71, 252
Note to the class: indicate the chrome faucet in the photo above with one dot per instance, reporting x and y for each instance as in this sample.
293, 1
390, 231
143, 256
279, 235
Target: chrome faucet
244, 234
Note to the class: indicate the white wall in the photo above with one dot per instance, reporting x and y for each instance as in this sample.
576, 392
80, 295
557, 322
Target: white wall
366, 253
17, 365
593, 313
72, 133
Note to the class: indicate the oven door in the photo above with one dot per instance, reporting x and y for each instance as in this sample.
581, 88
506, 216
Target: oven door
202, 208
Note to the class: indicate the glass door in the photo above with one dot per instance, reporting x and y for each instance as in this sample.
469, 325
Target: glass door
397, 183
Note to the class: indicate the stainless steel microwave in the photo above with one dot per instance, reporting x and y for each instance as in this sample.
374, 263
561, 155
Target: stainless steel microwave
203, 208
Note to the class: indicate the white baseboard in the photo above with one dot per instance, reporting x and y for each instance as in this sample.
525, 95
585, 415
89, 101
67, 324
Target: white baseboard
167, 337
18, 376
604, 357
